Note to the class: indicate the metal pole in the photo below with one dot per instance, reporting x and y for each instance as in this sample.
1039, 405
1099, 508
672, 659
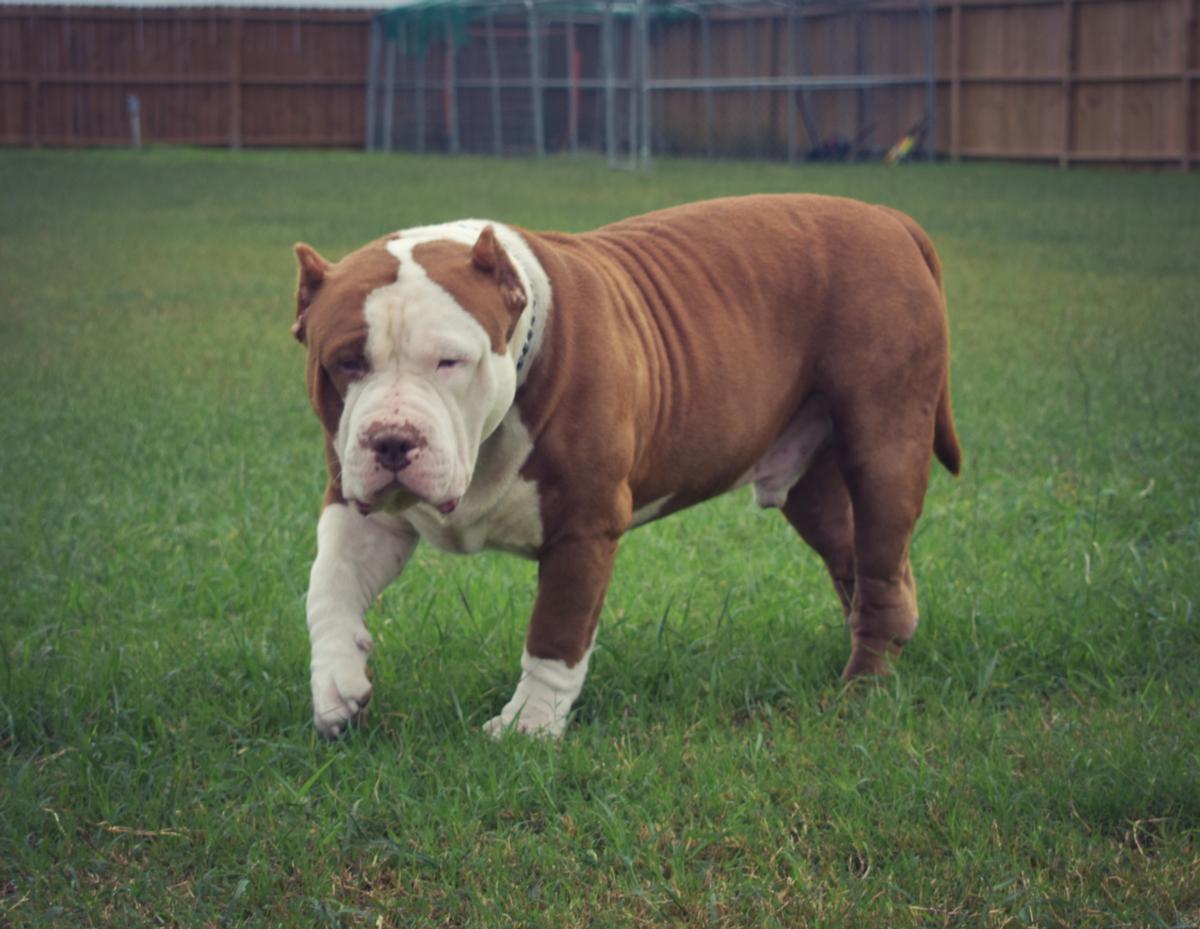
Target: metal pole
610, 77
494, 71
644, 78
572, 88
421, 100
133, 105
630, 66
535, 79
706, 55
860, 95
372, 80
806, 110
790, 96
631, 96
389, 94
451, 90
755, 98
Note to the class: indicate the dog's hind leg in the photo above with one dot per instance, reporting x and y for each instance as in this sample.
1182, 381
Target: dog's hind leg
883, 454
818, 507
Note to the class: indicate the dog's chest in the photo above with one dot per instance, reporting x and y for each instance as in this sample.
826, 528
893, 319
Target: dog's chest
500, 510
513, 525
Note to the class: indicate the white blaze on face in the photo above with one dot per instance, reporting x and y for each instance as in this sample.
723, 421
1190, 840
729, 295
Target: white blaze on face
432, 379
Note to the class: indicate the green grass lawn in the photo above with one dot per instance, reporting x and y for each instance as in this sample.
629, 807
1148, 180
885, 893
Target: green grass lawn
1036, 762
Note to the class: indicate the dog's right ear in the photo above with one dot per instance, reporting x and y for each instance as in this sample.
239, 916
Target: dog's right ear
312, 276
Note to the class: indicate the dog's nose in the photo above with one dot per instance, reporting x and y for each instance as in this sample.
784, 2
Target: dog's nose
392, 450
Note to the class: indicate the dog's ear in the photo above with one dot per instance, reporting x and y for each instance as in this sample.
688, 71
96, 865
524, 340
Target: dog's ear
489, 256
312, 276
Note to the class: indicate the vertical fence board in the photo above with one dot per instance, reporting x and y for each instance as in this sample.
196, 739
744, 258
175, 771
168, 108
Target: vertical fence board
235, 82
1187, 81
1068, 73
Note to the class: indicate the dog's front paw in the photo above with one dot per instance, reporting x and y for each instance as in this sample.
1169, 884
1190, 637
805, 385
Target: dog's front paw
537, 719
341, 691
542, 700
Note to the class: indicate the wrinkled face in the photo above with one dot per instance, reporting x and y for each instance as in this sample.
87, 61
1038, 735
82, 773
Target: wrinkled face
409, 367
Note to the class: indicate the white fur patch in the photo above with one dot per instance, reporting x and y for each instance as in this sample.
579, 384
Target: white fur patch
412, 326
356, 559
496, 507
543, 698
500, 509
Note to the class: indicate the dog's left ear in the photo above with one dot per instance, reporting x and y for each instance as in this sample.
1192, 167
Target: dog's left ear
489, 256
312, 276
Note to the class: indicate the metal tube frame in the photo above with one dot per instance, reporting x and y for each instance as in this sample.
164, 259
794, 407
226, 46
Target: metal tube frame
389, 95
610, 89
494, 75
373, 49
535, 79
643, 73
638, 85
451, 88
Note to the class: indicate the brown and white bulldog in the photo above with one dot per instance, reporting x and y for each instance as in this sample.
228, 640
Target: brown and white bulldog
482, 386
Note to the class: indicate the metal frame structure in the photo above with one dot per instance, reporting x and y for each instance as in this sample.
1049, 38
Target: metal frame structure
425, 59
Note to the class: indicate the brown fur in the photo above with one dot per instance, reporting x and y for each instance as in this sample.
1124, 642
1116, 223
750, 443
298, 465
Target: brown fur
680, 345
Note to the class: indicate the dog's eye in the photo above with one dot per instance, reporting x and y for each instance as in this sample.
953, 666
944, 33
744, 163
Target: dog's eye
352, 366
446, 364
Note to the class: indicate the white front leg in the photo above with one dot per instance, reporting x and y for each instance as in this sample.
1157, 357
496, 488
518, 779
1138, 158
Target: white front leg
356, 559
543, 698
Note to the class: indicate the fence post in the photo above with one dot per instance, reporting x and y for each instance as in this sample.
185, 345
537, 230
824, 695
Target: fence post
235, 82
1187, 30
1068, 54
931, 80
956, 81
32, 41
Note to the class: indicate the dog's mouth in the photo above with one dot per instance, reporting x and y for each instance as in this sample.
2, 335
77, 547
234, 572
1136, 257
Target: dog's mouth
396, 498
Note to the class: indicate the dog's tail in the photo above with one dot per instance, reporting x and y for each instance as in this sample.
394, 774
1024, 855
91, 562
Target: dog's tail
945, 438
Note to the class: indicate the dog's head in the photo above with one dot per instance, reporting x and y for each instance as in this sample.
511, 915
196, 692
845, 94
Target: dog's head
411, 364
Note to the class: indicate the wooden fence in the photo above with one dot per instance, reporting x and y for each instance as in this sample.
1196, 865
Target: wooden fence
1071, 80
68, 76
1058, 80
